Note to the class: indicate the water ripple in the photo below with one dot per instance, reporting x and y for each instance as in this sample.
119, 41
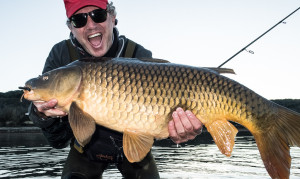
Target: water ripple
190, 161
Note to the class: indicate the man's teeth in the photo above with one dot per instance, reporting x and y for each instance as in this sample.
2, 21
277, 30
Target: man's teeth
95, 35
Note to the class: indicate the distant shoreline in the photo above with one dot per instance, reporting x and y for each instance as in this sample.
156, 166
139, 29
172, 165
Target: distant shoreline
33, 129
20, 130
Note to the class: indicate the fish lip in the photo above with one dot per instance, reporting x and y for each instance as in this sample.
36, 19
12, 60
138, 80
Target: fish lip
25, 88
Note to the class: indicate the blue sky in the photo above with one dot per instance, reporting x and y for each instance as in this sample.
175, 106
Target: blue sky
196, 32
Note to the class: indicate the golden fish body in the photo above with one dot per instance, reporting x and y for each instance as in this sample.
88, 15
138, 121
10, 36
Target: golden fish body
137, 97
141, 96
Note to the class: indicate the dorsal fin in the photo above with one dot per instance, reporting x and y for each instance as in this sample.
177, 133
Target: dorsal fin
155, 60
222, 70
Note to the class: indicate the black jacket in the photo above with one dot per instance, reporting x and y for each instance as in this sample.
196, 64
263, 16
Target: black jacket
58, 131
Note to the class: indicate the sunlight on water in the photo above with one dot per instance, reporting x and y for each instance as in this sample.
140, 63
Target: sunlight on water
203, 160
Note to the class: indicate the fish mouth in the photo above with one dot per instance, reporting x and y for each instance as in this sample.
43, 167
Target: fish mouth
95, 39
29, 94
26, 90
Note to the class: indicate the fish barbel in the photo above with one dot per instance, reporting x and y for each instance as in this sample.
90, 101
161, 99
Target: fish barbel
137, 97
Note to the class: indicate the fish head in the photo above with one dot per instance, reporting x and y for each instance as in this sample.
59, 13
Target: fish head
62, 84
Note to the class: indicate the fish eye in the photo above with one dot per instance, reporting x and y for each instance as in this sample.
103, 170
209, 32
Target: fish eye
45, 78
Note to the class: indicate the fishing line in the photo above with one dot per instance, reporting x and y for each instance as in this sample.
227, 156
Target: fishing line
282, 21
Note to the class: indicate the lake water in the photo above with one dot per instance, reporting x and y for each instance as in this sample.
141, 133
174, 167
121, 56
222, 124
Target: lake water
28, 156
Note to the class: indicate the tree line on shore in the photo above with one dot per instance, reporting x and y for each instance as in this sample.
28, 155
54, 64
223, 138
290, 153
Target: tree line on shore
13, 111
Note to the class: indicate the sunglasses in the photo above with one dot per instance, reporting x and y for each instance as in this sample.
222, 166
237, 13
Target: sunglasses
80, 20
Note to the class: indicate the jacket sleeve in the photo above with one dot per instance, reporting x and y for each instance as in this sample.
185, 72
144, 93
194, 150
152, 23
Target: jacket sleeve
56, 130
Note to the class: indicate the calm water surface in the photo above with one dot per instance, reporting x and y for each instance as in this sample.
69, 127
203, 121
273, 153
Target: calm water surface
27, 155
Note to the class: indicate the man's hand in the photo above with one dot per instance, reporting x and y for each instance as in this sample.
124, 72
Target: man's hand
184, 126
48, 108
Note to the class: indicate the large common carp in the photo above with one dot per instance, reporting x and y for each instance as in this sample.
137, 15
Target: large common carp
137, 97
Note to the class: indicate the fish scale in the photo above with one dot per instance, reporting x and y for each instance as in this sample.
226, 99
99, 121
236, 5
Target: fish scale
140, 86
137, 97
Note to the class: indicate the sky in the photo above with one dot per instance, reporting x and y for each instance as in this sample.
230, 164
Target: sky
202, 33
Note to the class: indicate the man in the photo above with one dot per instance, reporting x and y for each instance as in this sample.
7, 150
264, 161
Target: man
93, 34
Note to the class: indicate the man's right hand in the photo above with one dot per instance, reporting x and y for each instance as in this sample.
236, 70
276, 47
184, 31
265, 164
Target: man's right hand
48, 108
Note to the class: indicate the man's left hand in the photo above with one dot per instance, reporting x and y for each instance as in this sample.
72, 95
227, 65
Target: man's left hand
184, 126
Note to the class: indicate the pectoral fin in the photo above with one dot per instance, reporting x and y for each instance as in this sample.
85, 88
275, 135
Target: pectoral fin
136, 145
223, 133
82, 124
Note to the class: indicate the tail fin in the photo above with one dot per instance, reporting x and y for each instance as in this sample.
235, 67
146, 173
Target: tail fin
274, 144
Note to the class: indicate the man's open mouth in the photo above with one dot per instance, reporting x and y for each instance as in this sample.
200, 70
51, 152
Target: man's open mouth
95, 39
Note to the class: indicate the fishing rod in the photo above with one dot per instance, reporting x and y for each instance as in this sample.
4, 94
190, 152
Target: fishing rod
257, 38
